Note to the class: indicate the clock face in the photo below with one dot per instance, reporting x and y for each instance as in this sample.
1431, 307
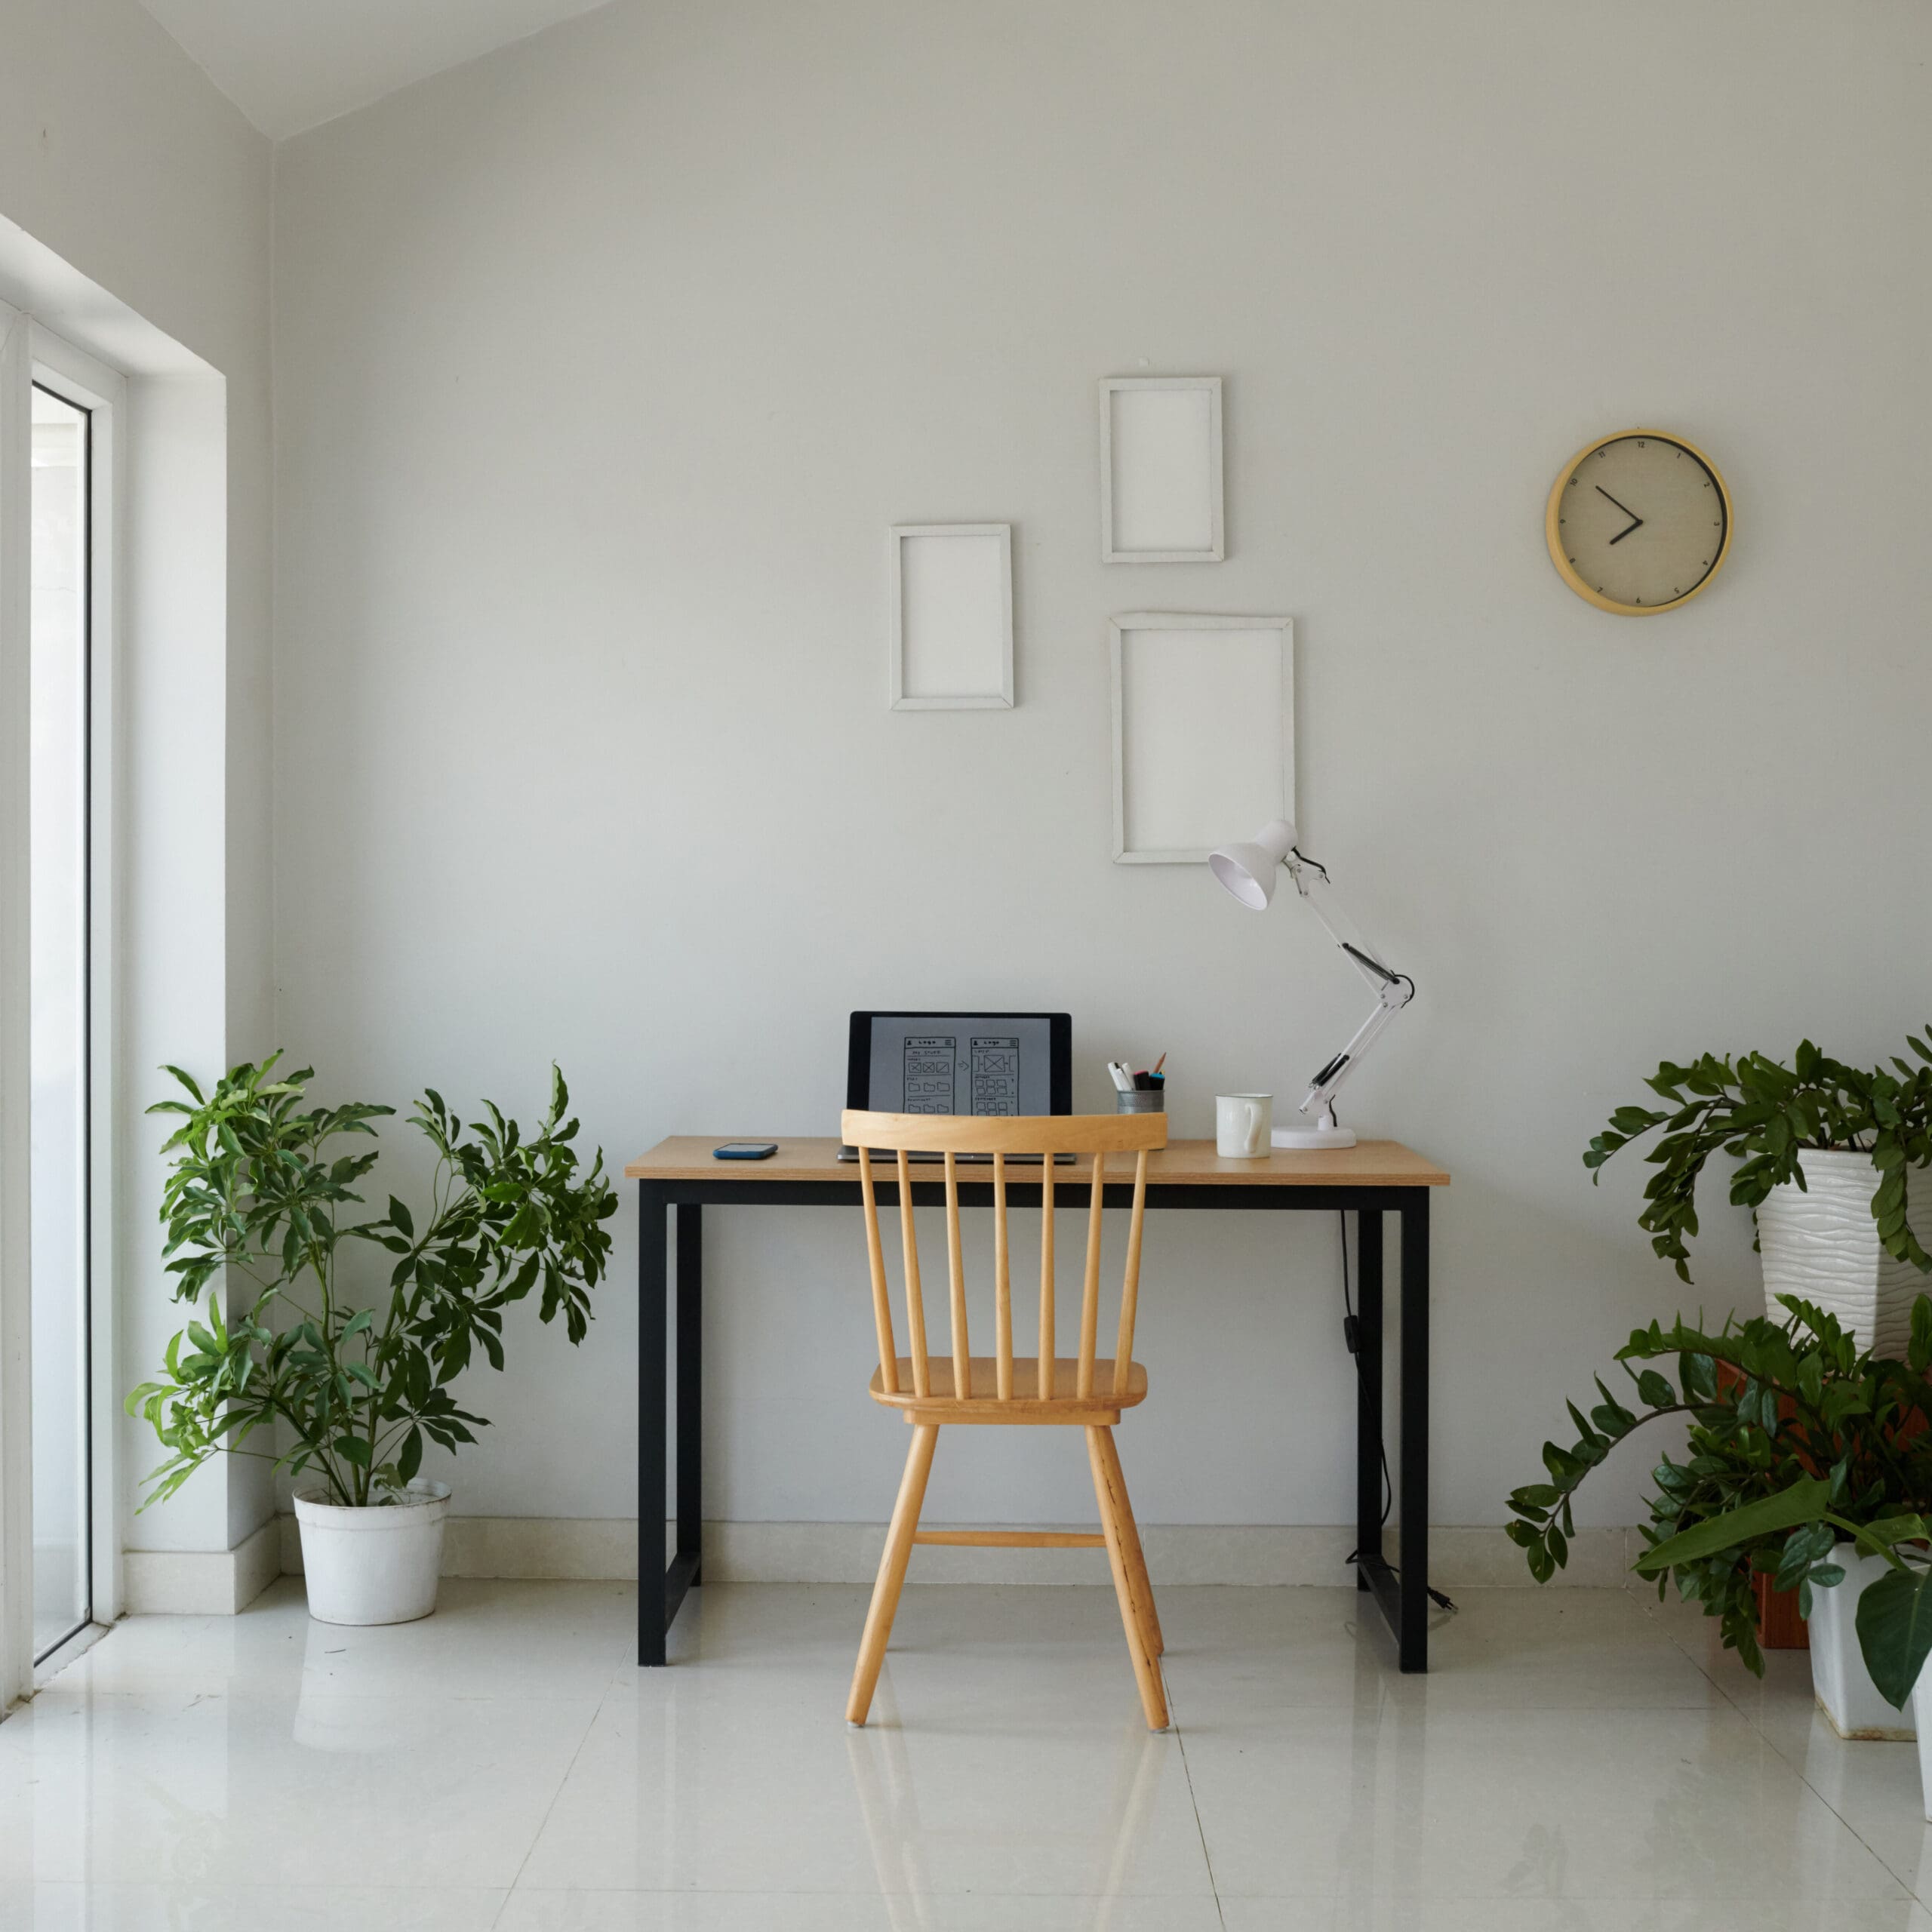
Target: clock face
1638, 522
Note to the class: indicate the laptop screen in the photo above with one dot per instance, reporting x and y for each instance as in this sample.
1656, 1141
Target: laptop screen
1000, 1063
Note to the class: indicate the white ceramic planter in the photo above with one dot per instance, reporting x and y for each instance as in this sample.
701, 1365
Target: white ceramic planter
377, 1565
1843, 1686
1820, 1242
1921, 1711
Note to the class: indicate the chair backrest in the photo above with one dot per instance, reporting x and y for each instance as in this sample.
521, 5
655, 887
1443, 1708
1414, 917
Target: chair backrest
1043, 1135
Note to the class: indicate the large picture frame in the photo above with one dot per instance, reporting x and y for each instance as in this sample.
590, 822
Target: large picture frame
1203, 732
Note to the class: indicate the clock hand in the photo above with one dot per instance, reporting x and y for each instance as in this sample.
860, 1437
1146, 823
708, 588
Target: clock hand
1636, 522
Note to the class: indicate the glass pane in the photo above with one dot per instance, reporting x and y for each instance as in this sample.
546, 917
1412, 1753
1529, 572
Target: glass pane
58, 884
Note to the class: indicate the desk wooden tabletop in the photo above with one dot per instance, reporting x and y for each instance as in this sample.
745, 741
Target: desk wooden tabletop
1194, 1163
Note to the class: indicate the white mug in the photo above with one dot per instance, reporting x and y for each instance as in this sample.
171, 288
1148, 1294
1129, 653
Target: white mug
1242, 1125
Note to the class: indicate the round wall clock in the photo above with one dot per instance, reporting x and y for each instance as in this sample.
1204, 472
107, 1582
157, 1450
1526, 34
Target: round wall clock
1638, 522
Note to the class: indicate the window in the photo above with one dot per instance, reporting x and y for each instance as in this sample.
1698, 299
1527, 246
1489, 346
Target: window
58, 582
60, 422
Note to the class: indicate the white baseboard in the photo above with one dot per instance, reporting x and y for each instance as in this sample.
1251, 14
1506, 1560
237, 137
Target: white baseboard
195, 1582
605, 1550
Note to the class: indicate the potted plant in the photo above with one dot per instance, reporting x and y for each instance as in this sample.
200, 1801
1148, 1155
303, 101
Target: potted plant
1805, 1413
1827, 1152
357, 1377
1894, 1608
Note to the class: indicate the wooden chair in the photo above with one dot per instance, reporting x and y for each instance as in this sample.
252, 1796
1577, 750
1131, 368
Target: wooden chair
1085, 1391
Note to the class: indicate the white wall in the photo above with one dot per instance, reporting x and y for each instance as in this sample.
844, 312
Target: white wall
603, 365
135, 201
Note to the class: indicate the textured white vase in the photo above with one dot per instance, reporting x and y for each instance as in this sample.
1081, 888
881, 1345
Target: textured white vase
1820, 1242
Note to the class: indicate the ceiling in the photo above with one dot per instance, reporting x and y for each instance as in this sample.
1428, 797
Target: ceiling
288, 64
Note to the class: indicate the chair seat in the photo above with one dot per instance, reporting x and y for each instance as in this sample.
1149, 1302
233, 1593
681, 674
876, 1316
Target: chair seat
943, 1403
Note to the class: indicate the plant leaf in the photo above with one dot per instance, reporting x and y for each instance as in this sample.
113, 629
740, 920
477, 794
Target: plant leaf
1803, 1501
1895, 1631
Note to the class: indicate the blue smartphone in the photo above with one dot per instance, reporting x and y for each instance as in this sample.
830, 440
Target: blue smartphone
745, 1150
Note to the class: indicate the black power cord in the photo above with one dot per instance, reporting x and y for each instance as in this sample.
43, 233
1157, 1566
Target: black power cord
1351, 1335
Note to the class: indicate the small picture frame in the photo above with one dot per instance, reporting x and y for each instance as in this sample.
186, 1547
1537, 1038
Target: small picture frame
1160, 499
1203, 733
952, 621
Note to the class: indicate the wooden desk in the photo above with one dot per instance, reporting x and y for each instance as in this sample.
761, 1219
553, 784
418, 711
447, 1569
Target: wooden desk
1370, 1179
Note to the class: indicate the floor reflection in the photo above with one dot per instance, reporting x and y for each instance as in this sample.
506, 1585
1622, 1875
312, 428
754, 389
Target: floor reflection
331, 1713
903, 1834
1567, 1768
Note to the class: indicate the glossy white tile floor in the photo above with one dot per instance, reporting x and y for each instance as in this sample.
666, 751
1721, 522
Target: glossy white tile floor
1578, 1761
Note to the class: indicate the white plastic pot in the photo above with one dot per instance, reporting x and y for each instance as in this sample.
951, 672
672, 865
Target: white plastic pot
375, 1565
1921, 1711
1820, 1242
1843, 1686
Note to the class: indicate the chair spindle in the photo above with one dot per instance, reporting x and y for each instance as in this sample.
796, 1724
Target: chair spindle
888, 1349
1045, 1386
1002, 1287
962, 1356
1129, 1287
916, 1300
1090, 1292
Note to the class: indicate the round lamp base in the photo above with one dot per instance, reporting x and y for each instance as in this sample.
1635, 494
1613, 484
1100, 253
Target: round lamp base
1314, 1136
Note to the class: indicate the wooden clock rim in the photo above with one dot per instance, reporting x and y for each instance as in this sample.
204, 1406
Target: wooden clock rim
1587, 592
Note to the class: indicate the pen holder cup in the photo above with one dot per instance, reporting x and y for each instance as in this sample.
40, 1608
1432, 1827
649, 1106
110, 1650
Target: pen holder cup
1152, 1102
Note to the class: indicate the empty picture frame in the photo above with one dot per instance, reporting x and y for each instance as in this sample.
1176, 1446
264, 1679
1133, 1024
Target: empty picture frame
1203, 733
1160, 470
951, 643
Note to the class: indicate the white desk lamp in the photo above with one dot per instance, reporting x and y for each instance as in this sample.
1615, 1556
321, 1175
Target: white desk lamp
1247, 870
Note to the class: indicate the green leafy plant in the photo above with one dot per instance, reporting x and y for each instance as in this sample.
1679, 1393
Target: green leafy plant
1808, 1439
257, 1194
1894, 1620
1766, 1114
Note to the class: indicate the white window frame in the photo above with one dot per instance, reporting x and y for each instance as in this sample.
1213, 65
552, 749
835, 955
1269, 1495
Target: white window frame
30, 353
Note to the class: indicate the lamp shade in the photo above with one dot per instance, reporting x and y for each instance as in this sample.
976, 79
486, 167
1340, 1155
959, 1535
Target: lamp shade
1248, 867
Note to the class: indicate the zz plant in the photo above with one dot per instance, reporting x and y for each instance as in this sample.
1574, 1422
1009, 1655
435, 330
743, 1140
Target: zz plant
261, 1194
1766, 1114
1806, 1440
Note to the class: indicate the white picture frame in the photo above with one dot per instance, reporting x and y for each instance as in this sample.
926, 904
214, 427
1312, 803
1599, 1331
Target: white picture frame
1204, 730
951, 647
1160, 470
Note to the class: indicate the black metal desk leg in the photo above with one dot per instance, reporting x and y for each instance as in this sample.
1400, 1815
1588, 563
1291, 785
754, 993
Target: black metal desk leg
1368, 1391
1412, 1639
690, 1386
652, 1421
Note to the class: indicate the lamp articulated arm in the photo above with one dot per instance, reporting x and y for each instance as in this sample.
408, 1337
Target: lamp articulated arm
1248, 871
1393, 991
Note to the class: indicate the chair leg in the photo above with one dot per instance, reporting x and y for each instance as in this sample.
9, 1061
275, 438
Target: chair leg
1136, 1559
1146, 1672
892, 1570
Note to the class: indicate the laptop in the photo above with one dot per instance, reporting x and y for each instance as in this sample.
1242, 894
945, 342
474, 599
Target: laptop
996, 1063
